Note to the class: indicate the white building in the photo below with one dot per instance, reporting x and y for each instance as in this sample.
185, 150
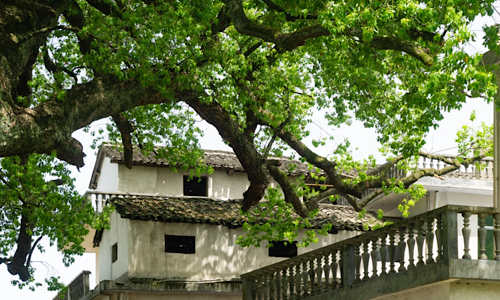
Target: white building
172, 238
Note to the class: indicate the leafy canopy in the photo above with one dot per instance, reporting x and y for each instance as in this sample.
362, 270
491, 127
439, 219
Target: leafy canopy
256, 70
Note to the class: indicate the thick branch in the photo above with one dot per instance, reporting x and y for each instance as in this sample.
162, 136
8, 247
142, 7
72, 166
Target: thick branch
53, 121
125, 128
286, 41
288, 190
34, 6
17, 264
290, 41
289, 17
385, 166
230, 131
365, 201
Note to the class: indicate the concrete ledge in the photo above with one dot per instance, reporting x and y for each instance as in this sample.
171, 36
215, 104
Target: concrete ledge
109, 287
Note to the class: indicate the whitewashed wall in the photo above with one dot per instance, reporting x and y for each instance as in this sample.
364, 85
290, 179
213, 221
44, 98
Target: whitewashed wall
163, 181
108, 179
119, 232
217, 254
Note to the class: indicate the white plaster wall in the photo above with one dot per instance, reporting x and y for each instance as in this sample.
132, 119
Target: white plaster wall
225, 186
164, 181
168, 182
108, 179
450, 290
217, 255
139, 179
118, 233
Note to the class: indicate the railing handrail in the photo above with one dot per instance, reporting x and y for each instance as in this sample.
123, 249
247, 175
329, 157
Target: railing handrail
353, 240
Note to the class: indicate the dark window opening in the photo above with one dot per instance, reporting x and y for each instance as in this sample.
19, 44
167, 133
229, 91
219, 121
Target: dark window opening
114, 252
279, 249
197, 186
180, 244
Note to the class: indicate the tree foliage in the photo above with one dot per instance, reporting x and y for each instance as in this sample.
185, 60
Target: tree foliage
256, 70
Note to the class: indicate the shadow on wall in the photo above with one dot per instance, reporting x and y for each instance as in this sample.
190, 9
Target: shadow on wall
217, 256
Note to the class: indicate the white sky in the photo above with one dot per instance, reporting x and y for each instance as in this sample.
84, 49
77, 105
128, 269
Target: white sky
360, 137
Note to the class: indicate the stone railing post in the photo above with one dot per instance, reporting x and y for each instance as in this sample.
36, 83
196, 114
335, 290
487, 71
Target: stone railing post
247, 288
450, 235
348, 269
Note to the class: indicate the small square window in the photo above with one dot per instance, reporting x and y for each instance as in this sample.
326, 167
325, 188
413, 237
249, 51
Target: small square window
279, 249
180, 244
114, 252
197, 186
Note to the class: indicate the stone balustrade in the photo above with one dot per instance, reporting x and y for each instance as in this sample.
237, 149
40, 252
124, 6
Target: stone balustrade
482, 170
79, 287
402, 251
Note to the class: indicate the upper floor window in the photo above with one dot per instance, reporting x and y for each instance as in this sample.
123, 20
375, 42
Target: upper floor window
283, 249
114, 253
197, 186
180, 244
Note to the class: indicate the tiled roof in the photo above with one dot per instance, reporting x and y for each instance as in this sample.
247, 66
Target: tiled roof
219, 212
215, 158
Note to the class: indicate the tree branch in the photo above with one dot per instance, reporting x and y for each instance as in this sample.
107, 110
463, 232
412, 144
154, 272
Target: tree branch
287, 188
125, 128
289, 17
230, 131
34, 6
290, 41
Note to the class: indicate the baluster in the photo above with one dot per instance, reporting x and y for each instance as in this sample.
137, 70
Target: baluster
298, 280
357, 262
482, 236
291, 284
429, 239
374, 255
366, 260
253, 288
439, 238
392, 252
383, 253
496, 233
411, 246
284, 283
424, 163
258, 288
272, 290
466, 231
334, 267
312, 275
420, 243
319, 273
327, 271
278, 285
305, 276
265, 287
402, 248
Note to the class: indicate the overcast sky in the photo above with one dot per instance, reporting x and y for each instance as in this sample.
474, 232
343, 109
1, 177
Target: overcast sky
50, 263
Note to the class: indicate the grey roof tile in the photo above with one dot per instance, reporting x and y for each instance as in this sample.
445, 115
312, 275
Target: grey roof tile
219, 212
215, 158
